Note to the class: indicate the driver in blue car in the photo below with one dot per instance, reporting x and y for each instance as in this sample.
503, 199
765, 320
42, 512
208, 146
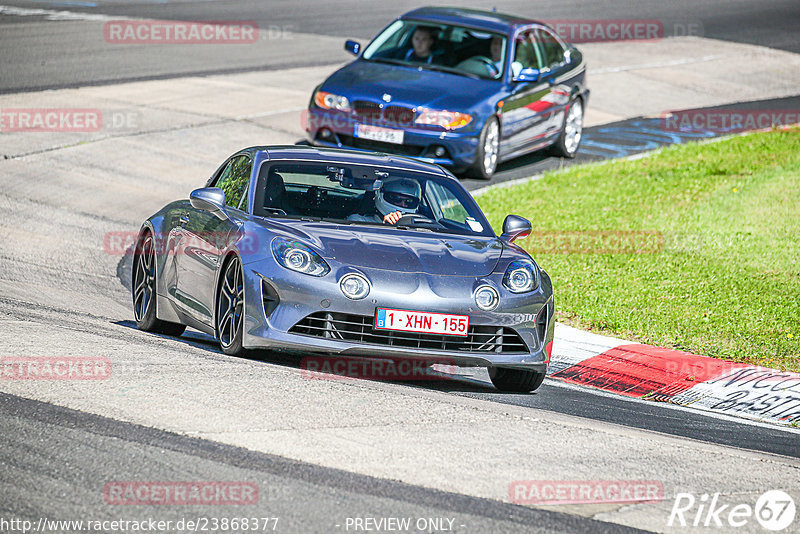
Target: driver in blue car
393, 200
422, 43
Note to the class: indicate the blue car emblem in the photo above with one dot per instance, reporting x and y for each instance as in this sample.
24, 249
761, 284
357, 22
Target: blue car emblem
387, 97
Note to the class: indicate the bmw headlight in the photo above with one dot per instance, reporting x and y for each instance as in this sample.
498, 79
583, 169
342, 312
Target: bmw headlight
331, 101
521, 277
486, 298
449, 120
298, 257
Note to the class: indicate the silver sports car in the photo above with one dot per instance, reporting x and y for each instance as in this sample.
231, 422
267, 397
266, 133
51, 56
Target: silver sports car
340, 253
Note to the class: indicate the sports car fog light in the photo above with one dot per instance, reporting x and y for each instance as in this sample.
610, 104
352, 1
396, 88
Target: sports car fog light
298, 257
486, 298
521, 277
354, 286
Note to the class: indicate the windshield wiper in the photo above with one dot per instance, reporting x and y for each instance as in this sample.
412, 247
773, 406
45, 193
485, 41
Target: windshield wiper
449, 70
389, 61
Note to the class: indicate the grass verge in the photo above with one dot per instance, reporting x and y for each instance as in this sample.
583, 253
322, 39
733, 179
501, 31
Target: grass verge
696, 247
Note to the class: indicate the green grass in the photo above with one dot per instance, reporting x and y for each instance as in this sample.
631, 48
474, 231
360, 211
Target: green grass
709, 260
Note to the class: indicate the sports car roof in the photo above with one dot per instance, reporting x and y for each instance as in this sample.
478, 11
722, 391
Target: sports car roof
311, 153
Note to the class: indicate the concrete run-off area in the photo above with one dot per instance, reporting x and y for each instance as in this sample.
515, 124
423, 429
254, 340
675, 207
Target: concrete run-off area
60, 296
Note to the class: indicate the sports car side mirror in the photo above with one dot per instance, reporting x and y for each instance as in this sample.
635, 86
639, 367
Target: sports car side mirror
209, 199
354, 47
527, 75
515, 227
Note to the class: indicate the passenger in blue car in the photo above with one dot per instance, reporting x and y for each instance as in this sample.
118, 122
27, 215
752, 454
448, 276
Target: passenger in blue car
422, 43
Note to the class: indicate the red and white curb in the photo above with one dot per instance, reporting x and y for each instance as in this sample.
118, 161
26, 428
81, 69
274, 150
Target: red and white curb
673, 376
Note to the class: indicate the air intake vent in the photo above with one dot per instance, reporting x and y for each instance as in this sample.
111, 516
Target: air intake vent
358, 329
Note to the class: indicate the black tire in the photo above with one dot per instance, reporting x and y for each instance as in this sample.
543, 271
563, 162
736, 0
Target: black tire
569, 140
484, 166
515, 380
143, 290
230, 308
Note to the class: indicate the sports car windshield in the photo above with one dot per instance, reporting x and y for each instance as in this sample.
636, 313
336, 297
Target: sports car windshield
354, 194
455, 49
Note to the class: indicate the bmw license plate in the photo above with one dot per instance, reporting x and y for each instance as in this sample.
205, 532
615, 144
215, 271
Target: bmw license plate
428, 323
376, 133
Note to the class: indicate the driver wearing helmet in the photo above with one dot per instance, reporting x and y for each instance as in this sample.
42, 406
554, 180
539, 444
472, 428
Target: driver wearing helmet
393, 200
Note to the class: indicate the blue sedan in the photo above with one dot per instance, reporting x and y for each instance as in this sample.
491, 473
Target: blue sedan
461, 88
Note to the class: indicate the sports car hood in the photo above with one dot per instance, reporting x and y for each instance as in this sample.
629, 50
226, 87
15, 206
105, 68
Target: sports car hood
397, 250
371, 80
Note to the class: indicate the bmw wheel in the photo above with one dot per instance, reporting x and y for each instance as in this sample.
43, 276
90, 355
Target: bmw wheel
143, 289
570, 139
230, 308
515, 380
488, 150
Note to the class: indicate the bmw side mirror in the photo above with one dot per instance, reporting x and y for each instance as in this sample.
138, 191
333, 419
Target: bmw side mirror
515, 227
211, 199
354, 47
527, 75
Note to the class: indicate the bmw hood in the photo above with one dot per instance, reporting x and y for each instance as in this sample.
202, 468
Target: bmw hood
397, 250
418, 87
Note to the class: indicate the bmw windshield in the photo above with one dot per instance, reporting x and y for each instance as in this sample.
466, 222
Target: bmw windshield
355, 194
455, 49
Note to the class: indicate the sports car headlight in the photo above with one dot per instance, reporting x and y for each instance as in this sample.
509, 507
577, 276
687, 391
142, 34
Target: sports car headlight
449, 120
331, 101
298, 257
521, 277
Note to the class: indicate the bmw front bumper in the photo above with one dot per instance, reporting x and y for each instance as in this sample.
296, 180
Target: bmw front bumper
337, 130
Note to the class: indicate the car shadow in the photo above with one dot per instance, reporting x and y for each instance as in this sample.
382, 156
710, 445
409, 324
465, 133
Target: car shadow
449, 379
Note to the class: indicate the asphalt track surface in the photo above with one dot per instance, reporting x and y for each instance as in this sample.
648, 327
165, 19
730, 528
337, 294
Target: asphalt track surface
39, 56
303, 497
313, 498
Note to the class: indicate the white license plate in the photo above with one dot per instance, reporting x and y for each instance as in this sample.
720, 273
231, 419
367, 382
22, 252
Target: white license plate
428, 323
376, 133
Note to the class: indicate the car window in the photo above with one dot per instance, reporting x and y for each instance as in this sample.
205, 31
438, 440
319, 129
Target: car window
526, 55
357, 194
550, 48
447, 206
234, 181
451, 48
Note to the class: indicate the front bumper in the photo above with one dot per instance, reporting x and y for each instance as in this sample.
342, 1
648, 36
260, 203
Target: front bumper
337, 130
275, 326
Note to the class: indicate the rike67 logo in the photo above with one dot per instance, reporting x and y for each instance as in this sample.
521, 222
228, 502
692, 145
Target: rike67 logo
774, 511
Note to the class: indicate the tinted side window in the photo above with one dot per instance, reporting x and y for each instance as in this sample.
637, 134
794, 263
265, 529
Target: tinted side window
234, 181
525, 54
551, 49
